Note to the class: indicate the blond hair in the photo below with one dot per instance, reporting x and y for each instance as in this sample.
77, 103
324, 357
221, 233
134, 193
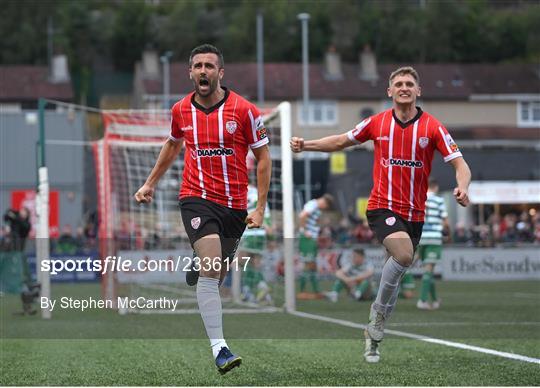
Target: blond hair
405, 70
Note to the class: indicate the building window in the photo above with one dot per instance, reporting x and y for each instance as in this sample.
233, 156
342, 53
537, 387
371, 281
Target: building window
318, 113
10, 108
529, 114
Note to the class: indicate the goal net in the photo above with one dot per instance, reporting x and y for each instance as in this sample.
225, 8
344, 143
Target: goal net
150, 241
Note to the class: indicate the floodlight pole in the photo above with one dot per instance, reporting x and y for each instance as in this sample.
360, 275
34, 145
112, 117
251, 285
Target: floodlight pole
165, 59
41, 118
50, 45
260, 57
304, 19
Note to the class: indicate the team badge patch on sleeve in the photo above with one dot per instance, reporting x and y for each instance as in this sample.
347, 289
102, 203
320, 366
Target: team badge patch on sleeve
259, 123
261, 133
451, 143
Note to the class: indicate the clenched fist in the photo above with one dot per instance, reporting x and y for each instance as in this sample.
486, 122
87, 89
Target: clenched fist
255, 219
144, 194
461, 196
297, 144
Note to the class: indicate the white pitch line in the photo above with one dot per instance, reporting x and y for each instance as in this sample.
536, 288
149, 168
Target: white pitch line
261, 310
396, 324
420, 338
527, 295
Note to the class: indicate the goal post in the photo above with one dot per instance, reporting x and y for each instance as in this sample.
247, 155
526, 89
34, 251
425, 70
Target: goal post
42, 212
124, 158
128, 146
288, 206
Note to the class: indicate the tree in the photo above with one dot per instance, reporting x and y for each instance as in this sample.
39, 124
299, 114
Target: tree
131, 34
23, 28
101, 31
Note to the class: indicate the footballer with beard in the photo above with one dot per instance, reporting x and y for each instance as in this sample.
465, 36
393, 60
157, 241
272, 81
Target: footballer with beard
218, 127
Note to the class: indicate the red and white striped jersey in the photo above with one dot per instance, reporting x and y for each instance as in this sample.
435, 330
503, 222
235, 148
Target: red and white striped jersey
216, 145
402, 159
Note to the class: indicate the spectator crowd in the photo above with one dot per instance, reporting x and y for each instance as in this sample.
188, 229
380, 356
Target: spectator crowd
510, 229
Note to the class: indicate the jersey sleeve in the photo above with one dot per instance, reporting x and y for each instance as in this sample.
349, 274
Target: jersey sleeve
176, 134
361, 132
445, 144
310, 206
255, 130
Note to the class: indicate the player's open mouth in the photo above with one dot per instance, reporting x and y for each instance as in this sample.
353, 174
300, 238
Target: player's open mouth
203, 82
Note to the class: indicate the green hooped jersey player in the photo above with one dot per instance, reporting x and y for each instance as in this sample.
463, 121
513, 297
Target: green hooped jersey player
308, 244
255, 239
430, 246
352, 269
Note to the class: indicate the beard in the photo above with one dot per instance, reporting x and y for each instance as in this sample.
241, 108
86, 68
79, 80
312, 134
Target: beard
208, 89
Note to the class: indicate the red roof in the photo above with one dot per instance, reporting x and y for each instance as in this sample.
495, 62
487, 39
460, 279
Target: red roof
439, 81
26, 83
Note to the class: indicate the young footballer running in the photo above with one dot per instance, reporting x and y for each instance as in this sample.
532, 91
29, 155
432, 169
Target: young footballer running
405, 140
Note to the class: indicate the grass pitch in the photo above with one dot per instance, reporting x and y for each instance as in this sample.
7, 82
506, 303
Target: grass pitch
100, 347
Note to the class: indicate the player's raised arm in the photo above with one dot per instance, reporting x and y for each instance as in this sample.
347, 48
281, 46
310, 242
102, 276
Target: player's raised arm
169, 152
463, 179
325, 144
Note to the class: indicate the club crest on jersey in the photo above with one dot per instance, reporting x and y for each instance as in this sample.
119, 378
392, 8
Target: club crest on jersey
423, 142
231, 126
196, 222
389, 221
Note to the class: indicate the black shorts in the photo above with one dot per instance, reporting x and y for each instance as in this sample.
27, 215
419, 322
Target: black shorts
202, 217
384, 222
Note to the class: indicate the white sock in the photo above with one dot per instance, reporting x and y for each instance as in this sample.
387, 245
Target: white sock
392, 302
391, 275
210, 308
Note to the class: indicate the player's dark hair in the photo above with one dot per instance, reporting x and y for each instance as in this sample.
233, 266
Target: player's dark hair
359, 251
207, 49
405, 70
